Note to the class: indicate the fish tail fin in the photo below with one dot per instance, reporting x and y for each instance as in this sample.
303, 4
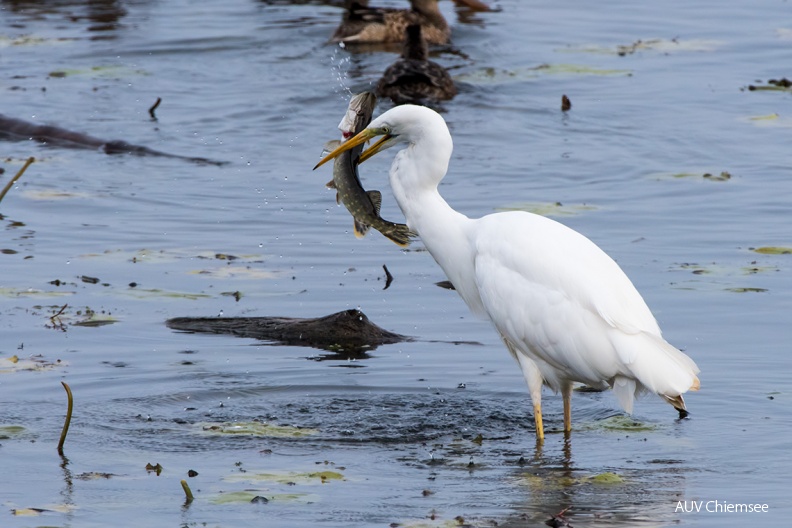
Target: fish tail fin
400, 234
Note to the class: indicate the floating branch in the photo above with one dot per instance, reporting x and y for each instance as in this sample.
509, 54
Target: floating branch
154, 107
388, 277
68, 417
187, 491
15, 178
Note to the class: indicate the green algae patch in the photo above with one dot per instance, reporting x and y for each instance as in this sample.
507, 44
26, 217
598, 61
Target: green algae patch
256, 429
606, 478
622, 423
549, 208
773, 250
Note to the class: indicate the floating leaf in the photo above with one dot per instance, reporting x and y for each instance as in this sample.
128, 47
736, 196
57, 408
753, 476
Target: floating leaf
549, 209
769, 120
108, 71
317, 477
249, 496
236, 272
10, 431
773, 250
658, 45
256, 429
498, 76
34, 363
53, 194
142, 293
32, 293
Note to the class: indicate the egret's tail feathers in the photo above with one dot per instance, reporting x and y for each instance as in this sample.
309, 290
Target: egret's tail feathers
658, 366
625, 391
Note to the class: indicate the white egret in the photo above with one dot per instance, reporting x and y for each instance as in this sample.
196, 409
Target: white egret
564, 308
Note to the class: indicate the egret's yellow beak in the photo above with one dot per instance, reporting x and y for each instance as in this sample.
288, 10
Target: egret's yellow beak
362, 137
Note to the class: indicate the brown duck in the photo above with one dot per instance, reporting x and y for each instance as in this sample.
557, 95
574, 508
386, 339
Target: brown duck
414, 78
364, 24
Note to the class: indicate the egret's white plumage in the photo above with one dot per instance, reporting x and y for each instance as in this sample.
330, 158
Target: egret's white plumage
564, 308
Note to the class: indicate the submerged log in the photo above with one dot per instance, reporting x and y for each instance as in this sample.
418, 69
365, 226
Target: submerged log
345, 331
19, 130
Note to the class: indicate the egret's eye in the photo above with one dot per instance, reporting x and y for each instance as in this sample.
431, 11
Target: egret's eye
386, 130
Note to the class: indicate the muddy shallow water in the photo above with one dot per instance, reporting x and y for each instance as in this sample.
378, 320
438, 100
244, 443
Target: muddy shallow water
436, 431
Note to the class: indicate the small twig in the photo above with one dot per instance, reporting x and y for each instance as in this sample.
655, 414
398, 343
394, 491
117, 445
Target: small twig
388, 277
68, 417
187, 491
60, 312
15, 178
154, 107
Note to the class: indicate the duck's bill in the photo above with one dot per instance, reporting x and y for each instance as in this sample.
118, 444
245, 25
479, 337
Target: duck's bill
362, 137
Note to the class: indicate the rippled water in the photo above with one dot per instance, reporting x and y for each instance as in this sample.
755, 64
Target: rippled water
254, 84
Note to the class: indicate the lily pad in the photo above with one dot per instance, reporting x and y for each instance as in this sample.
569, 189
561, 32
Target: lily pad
550, 208
31, 40
769, 120
498, 76
53, 194
32, 293
256, 429
317, 477
236, 272
8, 432
248, 496
658, 45
773, 250
33, 363
142, 293
714, 175
99, 72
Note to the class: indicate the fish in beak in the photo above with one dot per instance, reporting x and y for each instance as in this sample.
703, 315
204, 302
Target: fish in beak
362, 137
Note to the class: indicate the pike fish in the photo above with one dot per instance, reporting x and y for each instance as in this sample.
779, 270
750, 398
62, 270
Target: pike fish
363, 205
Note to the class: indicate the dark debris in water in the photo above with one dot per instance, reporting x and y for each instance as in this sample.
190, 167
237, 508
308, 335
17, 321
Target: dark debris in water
783, 84
347, 331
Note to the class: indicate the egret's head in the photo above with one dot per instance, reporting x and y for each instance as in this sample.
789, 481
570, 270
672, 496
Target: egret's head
401, 124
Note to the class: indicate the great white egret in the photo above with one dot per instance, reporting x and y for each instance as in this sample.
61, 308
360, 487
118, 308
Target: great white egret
565, 310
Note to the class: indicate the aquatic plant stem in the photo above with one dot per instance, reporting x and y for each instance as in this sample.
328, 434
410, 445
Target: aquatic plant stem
68, 416
15, 178
187, 491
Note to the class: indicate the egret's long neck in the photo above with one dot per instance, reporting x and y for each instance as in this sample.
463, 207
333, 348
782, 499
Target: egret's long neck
414, 176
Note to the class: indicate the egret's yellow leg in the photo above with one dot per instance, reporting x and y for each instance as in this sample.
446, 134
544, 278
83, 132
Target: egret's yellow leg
538, 419
566, 393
